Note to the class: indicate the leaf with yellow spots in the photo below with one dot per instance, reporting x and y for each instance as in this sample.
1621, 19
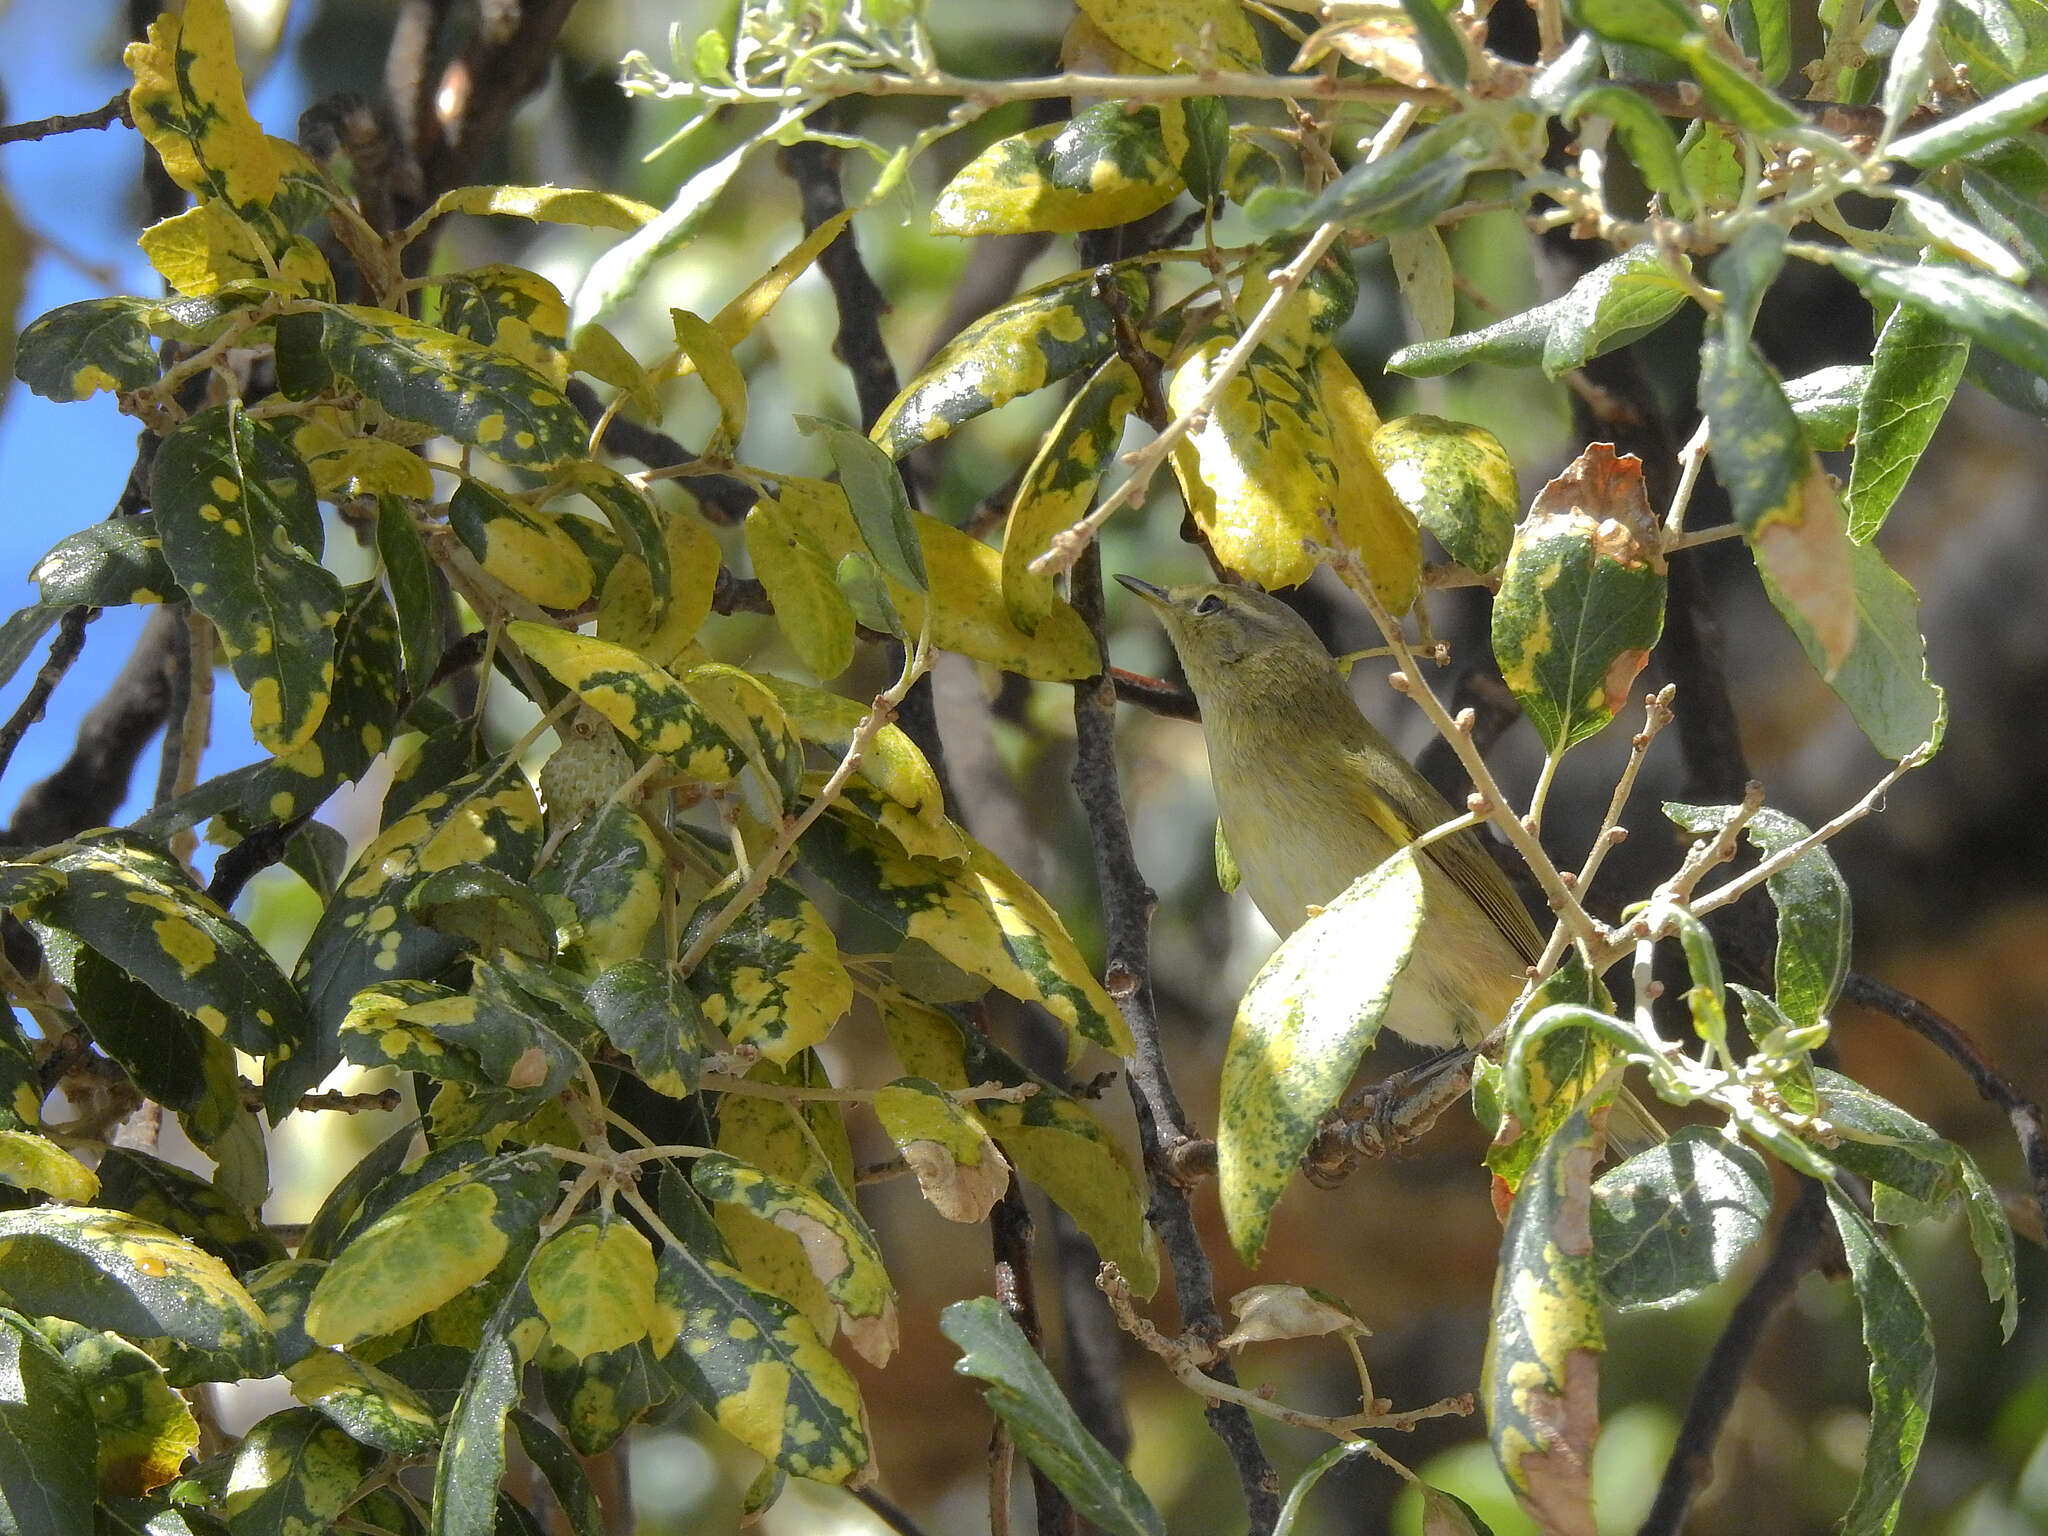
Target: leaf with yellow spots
746, 711
1458, 482
112, 563
1038, 338
1050, 1136
1307, 1017
526, 550
143, 1429
180, 1201
612, 870
648, 705
653, 1017
32, 1162
1260, 472
1540, 1383
372, 1406
1175, 36
968, 613
431, 1247
209, 249
892, 763
293, 1471
1309, 316
1581, 600
596, 1400
240, 526
361, 713
1565, 1067
957, 1165
139, 909
774, 979
1108, 165
469, 392
638, 526
77, 350
627, 609
364, 936
21, 1085
921, 837
759, 1368
397, 1024
979, 914
593, 1282
106, 1269
1060, 485
523, 1033
486, 907
472, 1462
517, 312
344, 462
1370, 517
798, 573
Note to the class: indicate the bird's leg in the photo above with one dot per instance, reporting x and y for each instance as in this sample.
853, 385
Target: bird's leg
1382, 1117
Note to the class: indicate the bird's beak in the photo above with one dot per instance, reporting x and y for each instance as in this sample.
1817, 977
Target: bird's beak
1156, 596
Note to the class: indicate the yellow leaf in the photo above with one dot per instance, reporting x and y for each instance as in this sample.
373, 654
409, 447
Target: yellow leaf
1370, 517
798, 575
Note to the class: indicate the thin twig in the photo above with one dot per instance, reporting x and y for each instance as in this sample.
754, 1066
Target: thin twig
63, 651
115, 110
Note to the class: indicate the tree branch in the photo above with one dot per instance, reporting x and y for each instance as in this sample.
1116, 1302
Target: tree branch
114, 111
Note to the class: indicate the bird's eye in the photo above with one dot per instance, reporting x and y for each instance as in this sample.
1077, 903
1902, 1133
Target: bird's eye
1208, 605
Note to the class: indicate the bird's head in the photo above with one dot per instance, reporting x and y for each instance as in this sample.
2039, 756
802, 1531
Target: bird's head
1237, 644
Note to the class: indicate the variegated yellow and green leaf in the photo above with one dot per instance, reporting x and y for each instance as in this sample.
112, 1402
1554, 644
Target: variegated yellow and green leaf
417, 596
798, 573
634, 520
762, 1371
472, 1461
1458, 482
774, 979
188, 102
547, 205
837, 1244
207, 249
42, 1452
240, 526
745, 709
371, 1406
1562, 1072
1259, 474
362, 1193
611, 868
1060, 486
1370, 517
710, 355
1108, 165
593, 1282
968, 613
393, 1024
517, 312
1581, 600
522, 1034
737, 319
1307, 1017
563, 1473
180, 1201
1540, 1384
77, 350
921, 837
471, 393
626, 607
1309, 316
364, 935
1176, 36
1050, 1135
597, 352
979, 914
361, 712
113, 562
956, 1162
597, 1399
21, 1085
654, 1018
140, 910
647, 705
108, 1270
525, 549
431, 1247
144, 1430
32, 1162
346, 463
294, 1471
282, 1291
1038, 338
892, 762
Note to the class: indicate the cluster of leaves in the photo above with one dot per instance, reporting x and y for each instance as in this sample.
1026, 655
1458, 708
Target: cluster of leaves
646, 928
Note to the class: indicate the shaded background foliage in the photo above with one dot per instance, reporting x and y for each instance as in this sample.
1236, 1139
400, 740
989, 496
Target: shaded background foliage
1951, 903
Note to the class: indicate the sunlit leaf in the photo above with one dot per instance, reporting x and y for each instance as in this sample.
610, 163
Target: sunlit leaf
1108, 165
1458, 482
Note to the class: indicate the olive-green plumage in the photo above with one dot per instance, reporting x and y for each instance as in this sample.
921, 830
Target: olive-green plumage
1311, 796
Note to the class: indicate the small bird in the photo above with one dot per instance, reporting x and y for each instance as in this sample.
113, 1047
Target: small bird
1311, 796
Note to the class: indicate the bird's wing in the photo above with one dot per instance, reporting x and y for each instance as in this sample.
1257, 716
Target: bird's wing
1462, 856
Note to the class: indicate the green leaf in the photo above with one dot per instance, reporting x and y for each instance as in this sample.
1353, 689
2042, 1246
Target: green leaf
1899, 1338
180, 1201
1027, 1399
800, 578
593, 1284
652, 1017
1457, 480
612, 869
875, 495
1616, 303
530, 551
107, 1270
1884, 678
486, 907
2011, 111
431, 1246
564, 1474
1734, 93
107, 565
1042, 336
1051, 1137
1540, 1383
469, 392
241, 530
472, 1462
1987, 309
145, 1430
1203, 164
1827, 403
1106, 166
47, 1444
1646, 136
1763, 30
1659, 24
138, 908
416, 593
1307, 1018
1581, 601
1404, 189
517, 313
598, 1399
75, 351
1676, 1219
1556, 1076
1813, 920
1913, 373
1912, 65
371, 1406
